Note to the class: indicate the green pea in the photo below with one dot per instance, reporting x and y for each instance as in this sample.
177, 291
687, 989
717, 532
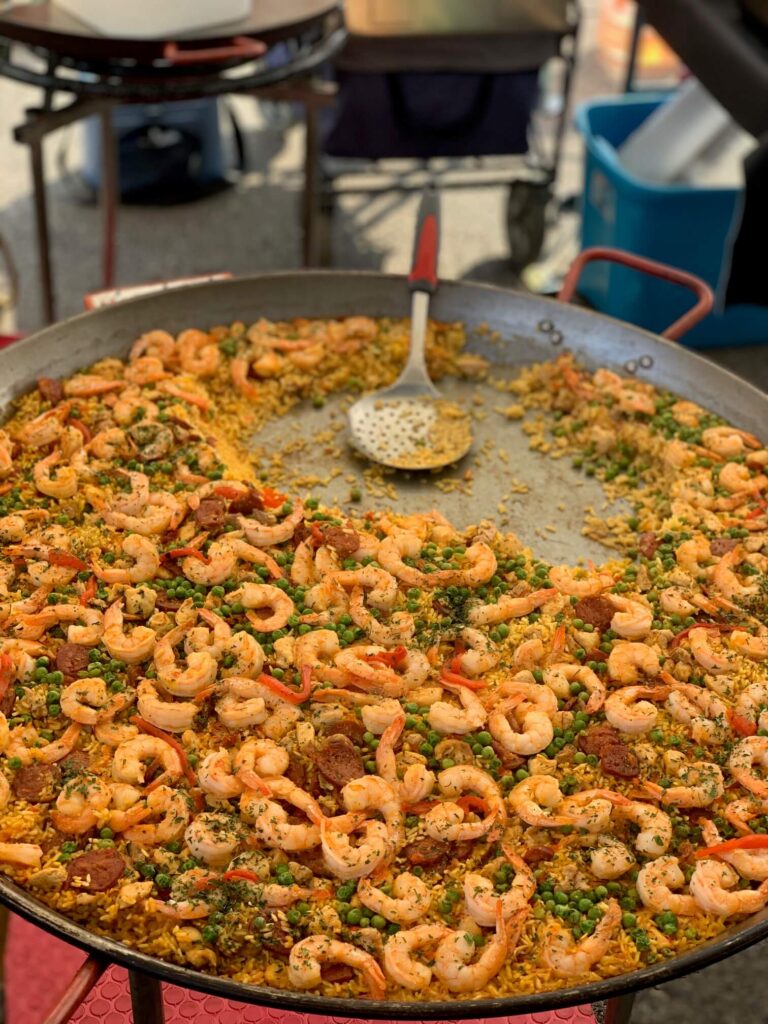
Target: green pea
354, 915
163, 881
484, 738
210, 933
379, 922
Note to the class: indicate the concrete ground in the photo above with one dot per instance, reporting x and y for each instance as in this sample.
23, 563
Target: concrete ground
253, 227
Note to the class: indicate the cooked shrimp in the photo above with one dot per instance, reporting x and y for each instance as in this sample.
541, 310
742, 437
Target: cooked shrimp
738, 479
752, 864
702, 784
610, 858
146, 562
374, 794
308, 956
260, 758
378, 717
755, 647
84, 700
481, 565
480, 656
199, 673
446, 820
26, 855
243, 705
399, 629
751, 751
536, 729
215, 775
691, 555
449, 719
44, 429
709, 659
380, 584
408, 901
702, 710
725, 579
633, 619
159, 344
399, 962
535, 800
172, 716
453, 955
347, 861
214, 837
712, 885
263, 536
482, 901
591, 809
130, 756
316, 649
198, 353
133, 647
566, 957
627, 660
752, 703
675, 601
508, 607
172, 809
80, 805
655, 826
54, 482
560, 675
628, 711
394, 549
565, 582
728, 441
263, 596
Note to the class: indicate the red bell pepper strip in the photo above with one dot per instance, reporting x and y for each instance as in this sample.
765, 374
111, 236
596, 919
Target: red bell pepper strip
719, 627
292, 696
227, 491
89, 592
272, 498
65, 560
449, 676
6, 673
754, 841
144, 726
239, 875
470, 803
79, 425
188, 553
741, 724
391, 658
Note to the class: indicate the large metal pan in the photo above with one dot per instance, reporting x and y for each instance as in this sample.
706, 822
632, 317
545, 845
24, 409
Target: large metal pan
532, 329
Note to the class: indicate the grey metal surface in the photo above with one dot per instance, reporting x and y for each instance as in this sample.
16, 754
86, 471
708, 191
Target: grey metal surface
529, 329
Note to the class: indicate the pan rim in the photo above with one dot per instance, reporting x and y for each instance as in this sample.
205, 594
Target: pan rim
737, 938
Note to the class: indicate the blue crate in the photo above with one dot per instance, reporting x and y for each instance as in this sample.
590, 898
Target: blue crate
680, 225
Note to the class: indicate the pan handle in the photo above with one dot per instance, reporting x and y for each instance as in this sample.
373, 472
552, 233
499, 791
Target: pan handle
705, 298
240, 48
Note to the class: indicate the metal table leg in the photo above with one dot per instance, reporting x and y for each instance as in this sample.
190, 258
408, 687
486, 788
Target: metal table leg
619, 1009
109, 197
41, 228
146, 998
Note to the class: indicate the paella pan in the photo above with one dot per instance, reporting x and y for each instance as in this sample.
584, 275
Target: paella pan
479, 699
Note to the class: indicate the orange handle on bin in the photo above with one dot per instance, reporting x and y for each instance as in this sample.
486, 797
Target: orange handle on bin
704, 294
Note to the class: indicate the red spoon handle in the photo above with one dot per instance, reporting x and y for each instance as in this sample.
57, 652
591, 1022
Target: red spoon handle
423, 275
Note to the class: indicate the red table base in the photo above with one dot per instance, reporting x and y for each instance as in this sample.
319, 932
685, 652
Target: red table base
39, 966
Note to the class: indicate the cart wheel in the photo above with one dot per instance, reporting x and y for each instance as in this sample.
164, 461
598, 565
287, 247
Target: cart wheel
526, 221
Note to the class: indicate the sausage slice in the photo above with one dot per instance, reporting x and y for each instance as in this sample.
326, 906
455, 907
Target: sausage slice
96, 871
72, 658
596, 610
35, 783
339, 760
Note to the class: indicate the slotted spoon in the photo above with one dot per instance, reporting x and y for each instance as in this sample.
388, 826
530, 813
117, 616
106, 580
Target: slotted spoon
411, 425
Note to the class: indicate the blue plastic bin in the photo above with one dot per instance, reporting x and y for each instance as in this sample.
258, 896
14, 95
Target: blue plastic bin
680, 225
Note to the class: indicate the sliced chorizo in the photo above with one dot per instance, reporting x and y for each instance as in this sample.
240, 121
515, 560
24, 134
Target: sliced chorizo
647, 543
339, 760
211, 513
618, 759
50, 389
722, 545
536, 854
72, 658
36, 783
426, 852
246, 504
95, 871
598, 611
597, 737
345, 542
348, 726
